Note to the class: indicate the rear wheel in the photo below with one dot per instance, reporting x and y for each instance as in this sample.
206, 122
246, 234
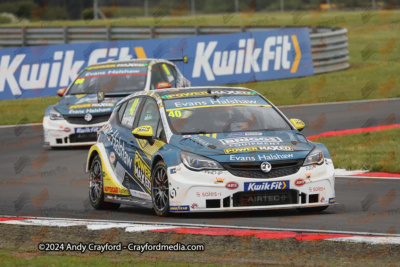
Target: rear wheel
160, 189
96, 193
313, 209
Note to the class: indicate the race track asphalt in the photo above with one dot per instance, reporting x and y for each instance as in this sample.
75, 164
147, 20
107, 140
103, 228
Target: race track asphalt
40, 182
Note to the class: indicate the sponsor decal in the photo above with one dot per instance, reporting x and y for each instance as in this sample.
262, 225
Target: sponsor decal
93, 105
257, 148
232, 185
299, 182
172, 171
112, 157
308, 175
205, 93
111, 189
218, 103
143, 129
219, 180
199, 141
316, 189
179, 208
267, 199
142, 171
322, 199
274, 156
194, 205
119, 149
67, 130
236, 158
332, 200
140, 194
87, 130
209, 194
186, 136
213, 172
172, 193
250, 139
243, 134
262, 186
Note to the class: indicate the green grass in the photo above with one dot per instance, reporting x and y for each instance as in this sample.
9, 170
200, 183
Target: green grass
373, 78
374, 151
28, 110
38, 259
219, 250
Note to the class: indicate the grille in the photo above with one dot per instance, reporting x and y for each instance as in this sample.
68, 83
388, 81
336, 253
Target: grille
84, 137
252, 169
81, 120
265, 198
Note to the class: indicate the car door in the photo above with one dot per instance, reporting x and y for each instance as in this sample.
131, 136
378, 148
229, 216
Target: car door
149, 116
124, 144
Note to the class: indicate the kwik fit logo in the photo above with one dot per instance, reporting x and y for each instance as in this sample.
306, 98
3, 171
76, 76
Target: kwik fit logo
277, 53
262, 186
56, 71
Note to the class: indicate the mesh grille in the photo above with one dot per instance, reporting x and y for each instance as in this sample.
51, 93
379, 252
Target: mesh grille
252, 169
85, 137
81, 120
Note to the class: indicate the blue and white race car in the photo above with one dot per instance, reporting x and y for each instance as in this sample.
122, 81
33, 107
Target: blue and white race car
88, 102
204, 149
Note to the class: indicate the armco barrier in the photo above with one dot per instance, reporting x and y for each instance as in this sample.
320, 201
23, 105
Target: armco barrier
328, 45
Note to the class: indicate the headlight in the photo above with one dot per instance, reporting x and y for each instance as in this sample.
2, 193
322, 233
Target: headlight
316, 156
198, 163
55, 115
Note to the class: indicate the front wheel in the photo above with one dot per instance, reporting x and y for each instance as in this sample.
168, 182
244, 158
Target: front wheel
96, 193
159, 189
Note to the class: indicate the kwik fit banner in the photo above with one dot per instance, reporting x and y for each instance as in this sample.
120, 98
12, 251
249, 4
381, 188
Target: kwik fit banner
213, 60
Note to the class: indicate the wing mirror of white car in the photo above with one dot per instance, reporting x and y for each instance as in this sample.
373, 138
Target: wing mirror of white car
162, 85
61, 91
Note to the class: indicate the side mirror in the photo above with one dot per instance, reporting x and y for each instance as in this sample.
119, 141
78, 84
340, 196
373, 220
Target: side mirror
144, 132
61, 91
298, 124
162, 85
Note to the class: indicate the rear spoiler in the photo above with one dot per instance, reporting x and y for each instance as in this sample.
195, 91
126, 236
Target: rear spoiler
184, 59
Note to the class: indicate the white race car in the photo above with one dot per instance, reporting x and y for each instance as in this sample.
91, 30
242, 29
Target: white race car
88, 102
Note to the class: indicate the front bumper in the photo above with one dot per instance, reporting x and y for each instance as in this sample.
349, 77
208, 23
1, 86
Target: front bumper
61, 133
207, 191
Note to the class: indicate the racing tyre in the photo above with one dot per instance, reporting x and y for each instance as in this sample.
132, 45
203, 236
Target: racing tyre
159, 189
96, 193
313, 209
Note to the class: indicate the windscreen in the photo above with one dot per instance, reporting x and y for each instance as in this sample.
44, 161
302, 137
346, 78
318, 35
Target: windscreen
222, 114
111, 78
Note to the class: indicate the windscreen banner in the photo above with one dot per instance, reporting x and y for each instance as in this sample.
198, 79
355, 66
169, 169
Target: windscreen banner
37, 71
